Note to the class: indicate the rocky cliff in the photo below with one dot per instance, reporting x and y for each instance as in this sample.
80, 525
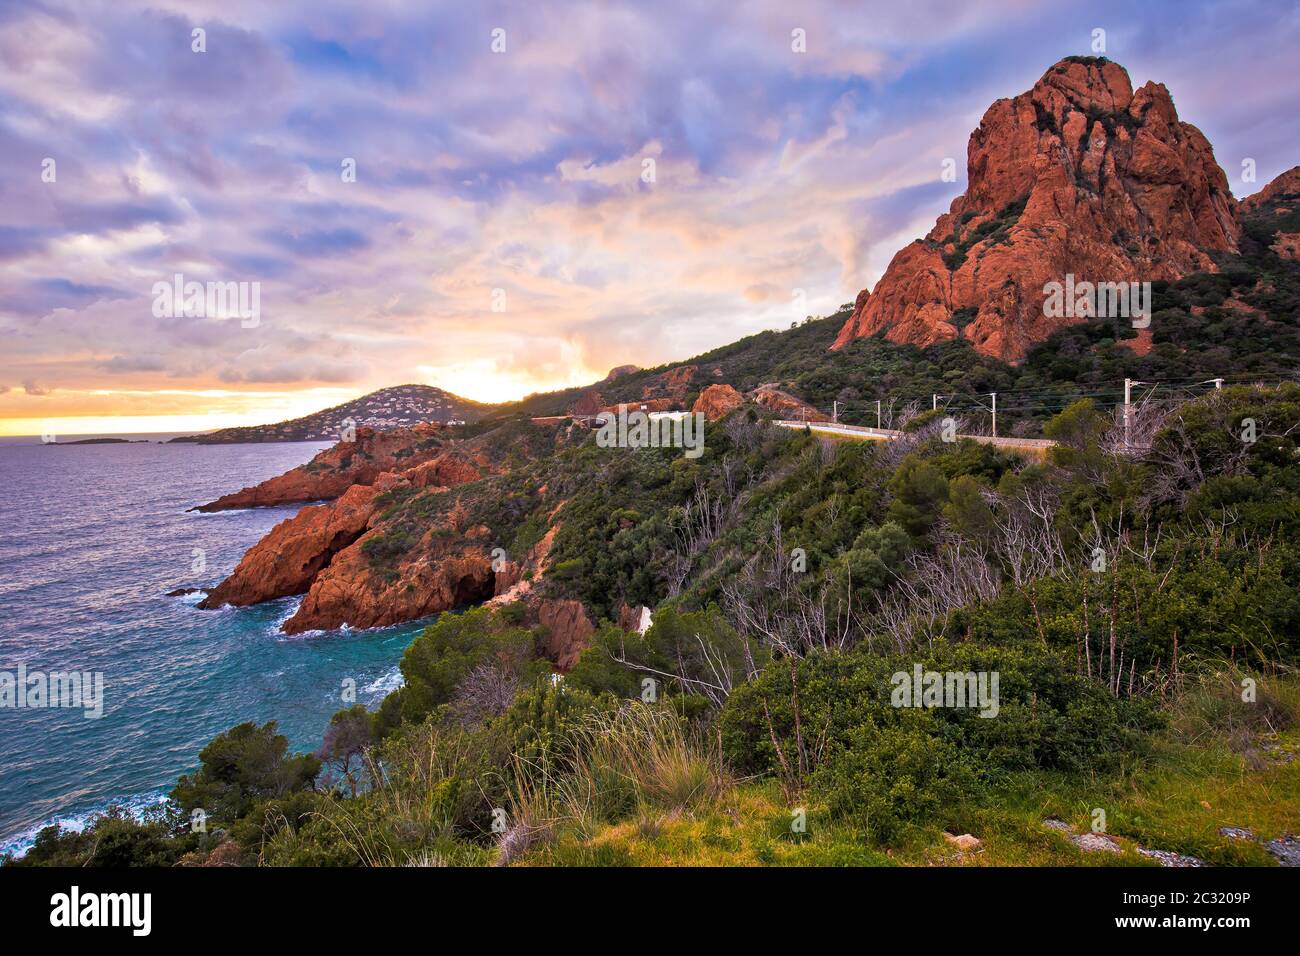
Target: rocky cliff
352, 591
297, 549
1080, 175
356, 462
1279, 197
395, 545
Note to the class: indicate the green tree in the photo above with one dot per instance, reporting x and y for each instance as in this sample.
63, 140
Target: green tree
919, 489
967, 511
443, 656
346, 738
241, 766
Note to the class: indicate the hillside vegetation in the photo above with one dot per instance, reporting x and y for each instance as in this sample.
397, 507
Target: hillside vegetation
1138, 603
1140, 612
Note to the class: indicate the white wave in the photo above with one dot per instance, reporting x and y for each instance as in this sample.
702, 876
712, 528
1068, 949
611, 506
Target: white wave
386, 683
278, 623
135, 806
193, 598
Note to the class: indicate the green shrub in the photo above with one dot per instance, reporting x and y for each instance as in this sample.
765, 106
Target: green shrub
883, 765
114, 839
240, 767
444, 655
882, 778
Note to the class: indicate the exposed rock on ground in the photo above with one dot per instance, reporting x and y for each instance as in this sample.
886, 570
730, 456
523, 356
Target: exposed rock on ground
588, 403
963, 842
637, 619
1105, 843
1095, 842
718, 401
350, 591
785, 404
1286, 849
1280, 196
672, 384
1170, 858
568, 630
1237, 833
511, 584
363, 560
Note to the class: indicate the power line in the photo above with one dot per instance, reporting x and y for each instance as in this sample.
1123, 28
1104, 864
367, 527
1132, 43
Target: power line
1046, 400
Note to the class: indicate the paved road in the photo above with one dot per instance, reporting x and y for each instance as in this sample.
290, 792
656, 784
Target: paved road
863, 433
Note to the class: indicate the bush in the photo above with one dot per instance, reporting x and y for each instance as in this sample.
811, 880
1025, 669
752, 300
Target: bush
700, 647
113, 839
240, 767
884, 778
885, 766
440, 659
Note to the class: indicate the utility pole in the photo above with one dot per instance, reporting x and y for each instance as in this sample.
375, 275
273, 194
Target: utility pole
835, 412
1128, 407
934, 403
877, 414
1128, 395
994, 395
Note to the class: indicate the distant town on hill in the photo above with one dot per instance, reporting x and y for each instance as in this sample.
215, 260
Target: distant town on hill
385, 409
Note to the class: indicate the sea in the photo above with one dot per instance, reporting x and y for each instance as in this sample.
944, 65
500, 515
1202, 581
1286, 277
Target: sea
92, 539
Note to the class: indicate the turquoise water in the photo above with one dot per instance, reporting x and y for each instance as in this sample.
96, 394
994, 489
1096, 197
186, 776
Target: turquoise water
91, 539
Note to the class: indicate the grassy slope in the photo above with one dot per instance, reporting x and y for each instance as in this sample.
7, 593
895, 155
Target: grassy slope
1176, 798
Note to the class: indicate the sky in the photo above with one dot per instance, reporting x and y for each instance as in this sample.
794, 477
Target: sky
503, 198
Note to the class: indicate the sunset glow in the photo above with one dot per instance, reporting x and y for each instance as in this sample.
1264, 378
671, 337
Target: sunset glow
415, 208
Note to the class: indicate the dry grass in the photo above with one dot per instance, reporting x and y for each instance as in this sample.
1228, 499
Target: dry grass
633, 763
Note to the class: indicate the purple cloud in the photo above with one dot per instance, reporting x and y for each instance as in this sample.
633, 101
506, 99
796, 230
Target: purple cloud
521, 171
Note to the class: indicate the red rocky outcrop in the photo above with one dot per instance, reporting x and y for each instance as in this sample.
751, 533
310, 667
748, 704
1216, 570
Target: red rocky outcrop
337, 469
446, 471
1078, 175
588, 403
671, 385
288, 559
785, 404
718, 401
1279, 197
350, 591
568, 630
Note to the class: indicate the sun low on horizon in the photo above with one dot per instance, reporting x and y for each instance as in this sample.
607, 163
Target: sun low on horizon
493, 202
